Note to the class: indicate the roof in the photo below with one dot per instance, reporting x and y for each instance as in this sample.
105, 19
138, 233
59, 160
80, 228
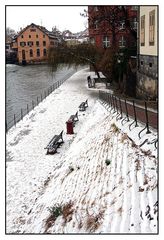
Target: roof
41, 28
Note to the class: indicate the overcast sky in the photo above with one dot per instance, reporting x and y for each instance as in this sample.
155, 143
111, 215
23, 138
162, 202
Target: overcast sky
63, 17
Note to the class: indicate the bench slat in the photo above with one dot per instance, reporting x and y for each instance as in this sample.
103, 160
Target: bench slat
55, 143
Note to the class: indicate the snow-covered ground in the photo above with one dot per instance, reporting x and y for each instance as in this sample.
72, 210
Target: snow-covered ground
101, 178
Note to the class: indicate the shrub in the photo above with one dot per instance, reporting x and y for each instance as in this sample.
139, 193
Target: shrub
67, 211
108, 162
115, 128
94, 222
56, 210
71, 168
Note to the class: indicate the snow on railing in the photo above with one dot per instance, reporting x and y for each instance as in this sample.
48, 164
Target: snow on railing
123, 109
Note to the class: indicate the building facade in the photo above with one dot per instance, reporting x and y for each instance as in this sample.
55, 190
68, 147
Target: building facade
147, 75
32, 44
105, 19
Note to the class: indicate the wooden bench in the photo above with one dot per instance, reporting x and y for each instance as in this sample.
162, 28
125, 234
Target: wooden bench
83, 105
74, 118
55, 142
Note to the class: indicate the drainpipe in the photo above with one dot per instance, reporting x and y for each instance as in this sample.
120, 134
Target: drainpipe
138, 37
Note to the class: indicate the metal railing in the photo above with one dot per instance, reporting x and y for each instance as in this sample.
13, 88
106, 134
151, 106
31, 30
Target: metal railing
138, 113
32, 105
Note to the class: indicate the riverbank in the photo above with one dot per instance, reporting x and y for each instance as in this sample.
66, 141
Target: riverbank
107, 183
31, 85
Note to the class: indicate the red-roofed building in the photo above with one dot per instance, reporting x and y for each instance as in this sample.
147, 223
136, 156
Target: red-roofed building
32, 44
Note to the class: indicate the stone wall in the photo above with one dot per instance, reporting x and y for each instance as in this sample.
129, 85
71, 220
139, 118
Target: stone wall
147, 77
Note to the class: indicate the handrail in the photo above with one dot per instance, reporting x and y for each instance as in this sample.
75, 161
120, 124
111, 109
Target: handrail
23, 111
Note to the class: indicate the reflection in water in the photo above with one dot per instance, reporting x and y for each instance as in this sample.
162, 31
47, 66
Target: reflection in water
24, 84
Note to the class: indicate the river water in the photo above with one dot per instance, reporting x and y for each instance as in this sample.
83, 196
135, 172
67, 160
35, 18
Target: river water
26, 83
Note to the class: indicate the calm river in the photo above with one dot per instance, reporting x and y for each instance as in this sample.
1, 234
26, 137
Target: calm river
25, 83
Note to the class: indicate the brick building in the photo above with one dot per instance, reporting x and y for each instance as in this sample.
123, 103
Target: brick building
32, 44
104, 20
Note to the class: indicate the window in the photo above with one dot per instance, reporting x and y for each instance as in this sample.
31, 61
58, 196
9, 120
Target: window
106, 42
44, 52
95, 25
30, 43
151, 27
38, 52
96, 9
134, 23
31, 53
22, 36
150, 65
135, 8
122, 41
22, 44
122, 25
37, 43
43, 35
92, 40
29, 36
44, 43
52, 43
143, 30
32, 30
36, 35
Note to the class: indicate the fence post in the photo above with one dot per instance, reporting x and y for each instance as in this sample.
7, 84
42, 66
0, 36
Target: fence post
120, 107
41, 97
135, 115
21, 114
14, 120
32, 104
27, 109
116, 104
37, 101
147, 120
126, 111
45, 94
113, 103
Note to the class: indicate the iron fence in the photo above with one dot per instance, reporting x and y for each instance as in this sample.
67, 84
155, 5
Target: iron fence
123, 109
32, 105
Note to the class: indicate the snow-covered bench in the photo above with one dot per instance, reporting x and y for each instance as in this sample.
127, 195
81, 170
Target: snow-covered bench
55, 142
74, 118
83, 105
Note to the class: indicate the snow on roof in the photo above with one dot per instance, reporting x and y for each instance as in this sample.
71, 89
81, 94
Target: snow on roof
100, 177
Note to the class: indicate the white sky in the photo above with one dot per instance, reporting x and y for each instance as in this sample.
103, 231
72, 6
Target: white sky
63, 17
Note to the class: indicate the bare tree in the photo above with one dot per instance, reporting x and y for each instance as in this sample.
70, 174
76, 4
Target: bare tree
80, 54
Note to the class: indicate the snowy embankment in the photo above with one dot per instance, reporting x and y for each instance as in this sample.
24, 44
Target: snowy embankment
99, 181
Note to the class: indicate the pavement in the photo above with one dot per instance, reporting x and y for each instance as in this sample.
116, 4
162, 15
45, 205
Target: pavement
111, 178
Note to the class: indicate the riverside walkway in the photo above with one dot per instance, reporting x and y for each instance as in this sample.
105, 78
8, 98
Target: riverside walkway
101, 173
